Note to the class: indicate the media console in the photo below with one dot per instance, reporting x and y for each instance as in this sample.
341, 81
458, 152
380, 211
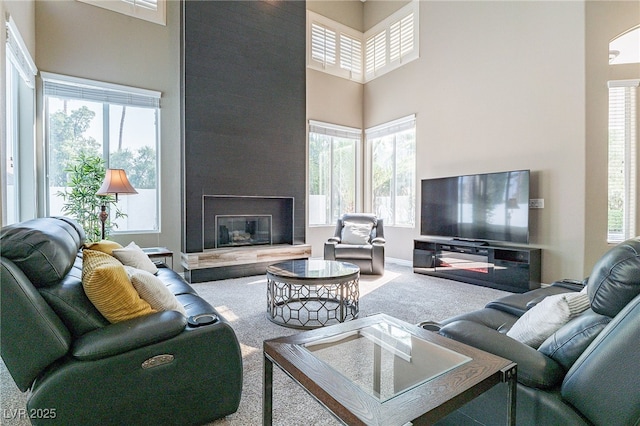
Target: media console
510, 268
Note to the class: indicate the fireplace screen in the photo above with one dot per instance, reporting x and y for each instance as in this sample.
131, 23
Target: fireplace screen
244, 230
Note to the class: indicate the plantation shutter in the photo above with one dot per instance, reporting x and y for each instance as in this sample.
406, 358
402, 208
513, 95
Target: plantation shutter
401, 38
147, 4
622, 159
376, 52
323, 44
19, 53
149, 10
350, 54
60, 86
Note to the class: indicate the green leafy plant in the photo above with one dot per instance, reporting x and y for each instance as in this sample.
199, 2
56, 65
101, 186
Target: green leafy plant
85, 174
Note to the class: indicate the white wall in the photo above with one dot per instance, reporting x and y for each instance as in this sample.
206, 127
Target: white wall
498, 86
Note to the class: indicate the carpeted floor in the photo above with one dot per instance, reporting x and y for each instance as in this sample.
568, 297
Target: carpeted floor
399, 292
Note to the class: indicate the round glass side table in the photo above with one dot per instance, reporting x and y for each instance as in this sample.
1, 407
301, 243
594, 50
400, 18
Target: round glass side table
312, 293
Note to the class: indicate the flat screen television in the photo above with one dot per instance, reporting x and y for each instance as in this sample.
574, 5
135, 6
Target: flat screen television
481, 207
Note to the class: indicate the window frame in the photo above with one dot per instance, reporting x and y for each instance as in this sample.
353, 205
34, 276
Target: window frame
374, 133
20, 119
375, 45
340, 32
381, 38
343, 132
78, 89
141, 9
630, 158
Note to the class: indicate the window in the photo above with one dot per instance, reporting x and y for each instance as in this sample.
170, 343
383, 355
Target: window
625, 49
18, 171
376, 52
393, 42
118, 123
333, 171
323, 45
334, 48
149, 10
392, 147
337, 49
623, 136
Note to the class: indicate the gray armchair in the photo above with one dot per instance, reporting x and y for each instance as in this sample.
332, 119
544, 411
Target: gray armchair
358, 239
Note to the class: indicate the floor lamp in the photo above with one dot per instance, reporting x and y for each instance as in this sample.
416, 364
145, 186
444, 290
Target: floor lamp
115, 182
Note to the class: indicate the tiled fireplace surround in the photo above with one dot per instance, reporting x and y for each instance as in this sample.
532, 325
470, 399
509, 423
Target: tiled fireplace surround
219, 261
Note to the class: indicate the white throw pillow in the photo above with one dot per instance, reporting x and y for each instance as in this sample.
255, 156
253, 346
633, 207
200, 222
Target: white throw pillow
153, 291
132, 255
547, 317
356, 233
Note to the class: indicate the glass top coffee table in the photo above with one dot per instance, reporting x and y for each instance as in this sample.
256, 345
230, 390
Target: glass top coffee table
312, 293
379, 370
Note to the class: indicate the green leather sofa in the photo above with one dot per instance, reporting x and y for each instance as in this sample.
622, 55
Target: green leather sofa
80, 369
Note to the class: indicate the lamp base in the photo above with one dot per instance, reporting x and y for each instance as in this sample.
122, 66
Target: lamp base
103, 217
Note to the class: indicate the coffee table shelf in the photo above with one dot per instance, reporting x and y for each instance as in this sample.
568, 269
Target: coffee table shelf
379, 370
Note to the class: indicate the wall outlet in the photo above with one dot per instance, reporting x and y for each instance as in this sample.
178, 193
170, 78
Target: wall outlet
536, 203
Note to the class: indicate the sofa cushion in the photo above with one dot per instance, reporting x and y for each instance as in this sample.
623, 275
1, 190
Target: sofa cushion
566, 344
349, 251
71, 304
547, 317
153, 291
356, 233
105, 246
132, 255
107, 285
519, 303
44, 249
173, 281
615, 279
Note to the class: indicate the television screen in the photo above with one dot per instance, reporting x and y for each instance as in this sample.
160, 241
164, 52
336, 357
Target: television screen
490, 206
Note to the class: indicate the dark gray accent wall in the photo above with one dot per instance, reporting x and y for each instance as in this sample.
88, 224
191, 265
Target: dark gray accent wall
243, 65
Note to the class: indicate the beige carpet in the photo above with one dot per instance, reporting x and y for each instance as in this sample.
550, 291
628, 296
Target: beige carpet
399, 293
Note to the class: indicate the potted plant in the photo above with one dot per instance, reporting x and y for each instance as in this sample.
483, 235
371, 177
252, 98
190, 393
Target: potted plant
84, 178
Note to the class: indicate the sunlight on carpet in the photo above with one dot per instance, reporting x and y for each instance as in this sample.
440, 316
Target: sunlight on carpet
369, 283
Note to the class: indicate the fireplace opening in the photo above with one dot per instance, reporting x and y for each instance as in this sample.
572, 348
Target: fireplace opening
242, 230
235, 221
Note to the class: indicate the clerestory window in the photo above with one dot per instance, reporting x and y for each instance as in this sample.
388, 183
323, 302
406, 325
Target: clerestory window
149, 10
342, 51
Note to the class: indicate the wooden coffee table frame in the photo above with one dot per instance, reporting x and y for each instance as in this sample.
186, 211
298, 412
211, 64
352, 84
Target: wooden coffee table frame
425, 403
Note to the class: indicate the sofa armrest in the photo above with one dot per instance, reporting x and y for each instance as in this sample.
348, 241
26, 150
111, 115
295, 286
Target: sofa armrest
336, 240
378, 240
127, 335
573, 285
534, 368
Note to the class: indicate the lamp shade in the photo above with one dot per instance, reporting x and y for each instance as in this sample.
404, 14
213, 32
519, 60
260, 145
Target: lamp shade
116, 182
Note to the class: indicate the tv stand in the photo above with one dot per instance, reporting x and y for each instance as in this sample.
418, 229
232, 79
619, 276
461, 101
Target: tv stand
469, 242
504, 267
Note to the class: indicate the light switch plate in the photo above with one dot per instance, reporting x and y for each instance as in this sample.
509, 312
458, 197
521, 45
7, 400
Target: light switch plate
536, 203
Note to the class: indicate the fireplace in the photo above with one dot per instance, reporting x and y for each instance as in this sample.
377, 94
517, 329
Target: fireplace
245, 230
237, 221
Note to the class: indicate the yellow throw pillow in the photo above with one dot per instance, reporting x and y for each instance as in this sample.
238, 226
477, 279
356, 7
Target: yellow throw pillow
104, 246
107, 285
